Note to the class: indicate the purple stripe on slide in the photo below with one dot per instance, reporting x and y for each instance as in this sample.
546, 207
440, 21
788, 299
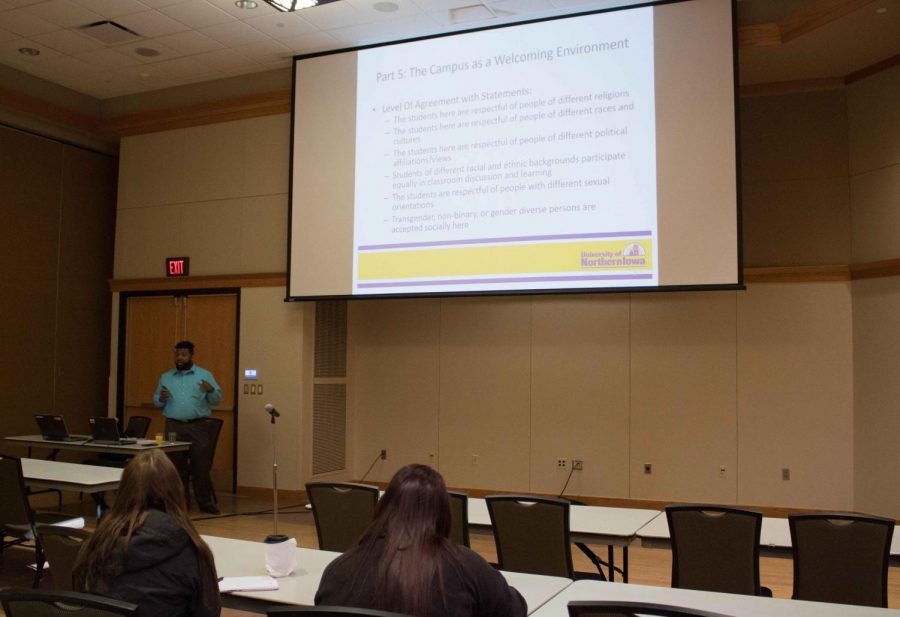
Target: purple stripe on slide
512, 279
406, 245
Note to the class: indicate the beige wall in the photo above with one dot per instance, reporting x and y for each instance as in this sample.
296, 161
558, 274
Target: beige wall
794, 173
58, 204
755, 381
686, 382
874, 136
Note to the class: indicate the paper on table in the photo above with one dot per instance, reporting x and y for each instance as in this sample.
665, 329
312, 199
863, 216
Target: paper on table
247, 583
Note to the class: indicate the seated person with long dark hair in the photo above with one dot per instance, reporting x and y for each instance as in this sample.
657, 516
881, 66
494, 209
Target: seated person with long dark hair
406, 563
145, 549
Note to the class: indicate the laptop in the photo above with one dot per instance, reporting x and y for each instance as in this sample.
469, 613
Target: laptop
105, 431
53, 428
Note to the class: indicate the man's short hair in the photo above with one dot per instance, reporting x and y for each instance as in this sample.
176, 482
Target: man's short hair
185, 345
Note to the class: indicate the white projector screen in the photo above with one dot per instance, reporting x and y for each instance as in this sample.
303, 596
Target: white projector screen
593, 152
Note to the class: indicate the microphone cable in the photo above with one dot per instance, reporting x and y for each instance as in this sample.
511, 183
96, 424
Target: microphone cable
371, 467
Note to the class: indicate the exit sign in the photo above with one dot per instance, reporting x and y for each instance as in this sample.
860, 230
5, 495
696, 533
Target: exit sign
178, 266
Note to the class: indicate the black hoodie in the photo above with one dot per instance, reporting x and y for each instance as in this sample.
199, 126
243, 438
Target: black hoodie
158, 572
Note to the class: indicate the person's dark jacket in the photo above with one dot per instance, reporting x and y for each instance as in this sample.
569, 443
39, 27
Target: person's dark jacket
159, 572
472, 588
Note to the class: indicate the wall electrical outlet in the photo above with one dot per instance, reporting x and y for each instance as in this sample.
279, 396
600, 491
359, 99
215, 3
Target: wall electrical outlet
474, 460
723, 471
384, 455
648, 468
786, 473
561, 463
577, 464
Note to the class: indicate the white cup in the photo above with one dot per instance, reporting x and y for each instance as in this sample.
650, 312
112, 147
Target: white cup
281, 555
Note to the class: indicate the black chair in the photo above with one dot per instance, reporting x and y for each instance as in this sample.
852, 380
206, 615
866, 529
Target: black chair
44, 603
459, 514
532, 535
327, 611
136, 429
715, 548
633, 609
841, 558
17, 520
61, 546
214, 426
342, 511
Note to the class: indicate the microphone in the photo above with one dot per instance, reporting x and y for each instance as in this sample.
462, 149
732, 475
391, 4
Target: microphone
270, 409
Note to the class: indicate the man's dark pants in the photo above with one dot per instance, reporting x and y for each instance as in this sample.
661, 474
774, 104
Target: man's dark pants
196, 462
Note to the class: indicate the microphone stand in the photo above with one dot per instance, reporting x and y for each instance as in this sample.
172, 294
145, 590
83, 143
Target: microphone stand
274, 478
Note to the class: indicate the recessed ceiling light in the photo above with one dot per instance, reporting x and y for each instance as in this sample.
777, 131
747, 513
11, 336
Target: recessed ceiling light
385, 7
29, 51
246, 4
881, 10
145, 75
147, 52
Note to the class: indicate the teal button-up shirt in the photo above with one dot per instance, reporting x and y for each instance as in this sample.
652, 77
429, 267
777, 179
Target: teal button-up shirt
187, 400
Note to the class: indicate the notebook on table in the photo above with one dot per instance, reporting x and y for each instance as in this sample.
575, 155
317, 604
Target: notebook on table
105, 431
53, 428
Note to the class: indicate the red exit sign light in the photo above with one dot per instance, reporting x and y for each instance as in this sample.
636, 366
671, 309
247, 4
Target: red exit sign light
178, 266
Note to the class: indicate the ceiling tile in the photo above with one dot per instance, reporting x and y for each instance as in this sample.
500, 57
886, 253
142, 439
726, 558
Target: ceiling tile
405, 8
67, 41
189, 68
385, 31
64, 13
197, 14
280, 25
5, 6
107, 58
21, 22
151, 24
334, 15
234, 33
155, 4
9, 50
267, 51
308, 43
190, 42
225, 60
110, 9
6, 35
243, 14
21, 3
131, 50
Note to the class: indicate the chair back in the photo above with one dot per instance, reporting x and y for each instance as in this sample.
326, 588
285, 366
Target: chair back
342, 511
715, 548
137, 427
531, 534
61, 546
15, 512
591, 608
841, 558
459, 518
50, 603
327, 611
215, 427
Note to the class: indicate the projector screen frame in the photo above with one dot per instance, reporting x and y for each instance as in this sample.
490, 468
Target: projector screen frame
738, 286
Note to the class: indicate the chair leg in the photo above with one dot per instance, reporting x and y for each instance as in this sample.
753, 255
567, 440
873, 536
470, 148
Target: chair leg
39, 564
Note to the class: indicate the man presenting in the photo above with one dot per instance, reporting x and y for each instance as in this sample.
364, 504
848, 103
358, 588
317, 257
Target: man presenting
186, 395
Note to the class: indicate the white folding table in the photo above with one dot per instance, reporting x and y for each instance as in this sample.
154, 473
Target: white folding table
246, 558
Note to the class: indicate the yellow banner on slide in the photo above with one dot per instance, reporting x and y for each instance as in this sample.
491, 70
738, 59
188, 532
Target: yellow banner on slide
594, 256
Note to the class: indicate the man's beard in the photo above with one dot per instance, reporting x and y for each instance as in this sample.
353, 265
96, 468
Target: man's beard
185, 366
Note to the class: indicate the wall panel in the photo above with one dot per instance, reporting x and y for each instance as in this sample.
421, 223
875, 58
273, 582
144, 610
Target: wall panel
484, 386
395, 368
795, 395
580, 393
683, 396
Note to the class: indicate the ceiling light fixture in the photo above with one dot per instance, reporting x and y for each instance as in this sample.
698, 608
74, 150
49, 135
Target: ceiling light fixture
246, 4
881, 10
29, 51
294, 5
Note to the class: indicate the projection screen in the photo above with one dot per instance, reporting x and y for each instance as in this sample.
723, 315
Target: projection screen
592, 152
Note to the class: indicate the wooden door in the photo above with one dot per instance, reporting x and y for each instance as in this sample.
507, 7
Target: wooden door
153, 325
206, 320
